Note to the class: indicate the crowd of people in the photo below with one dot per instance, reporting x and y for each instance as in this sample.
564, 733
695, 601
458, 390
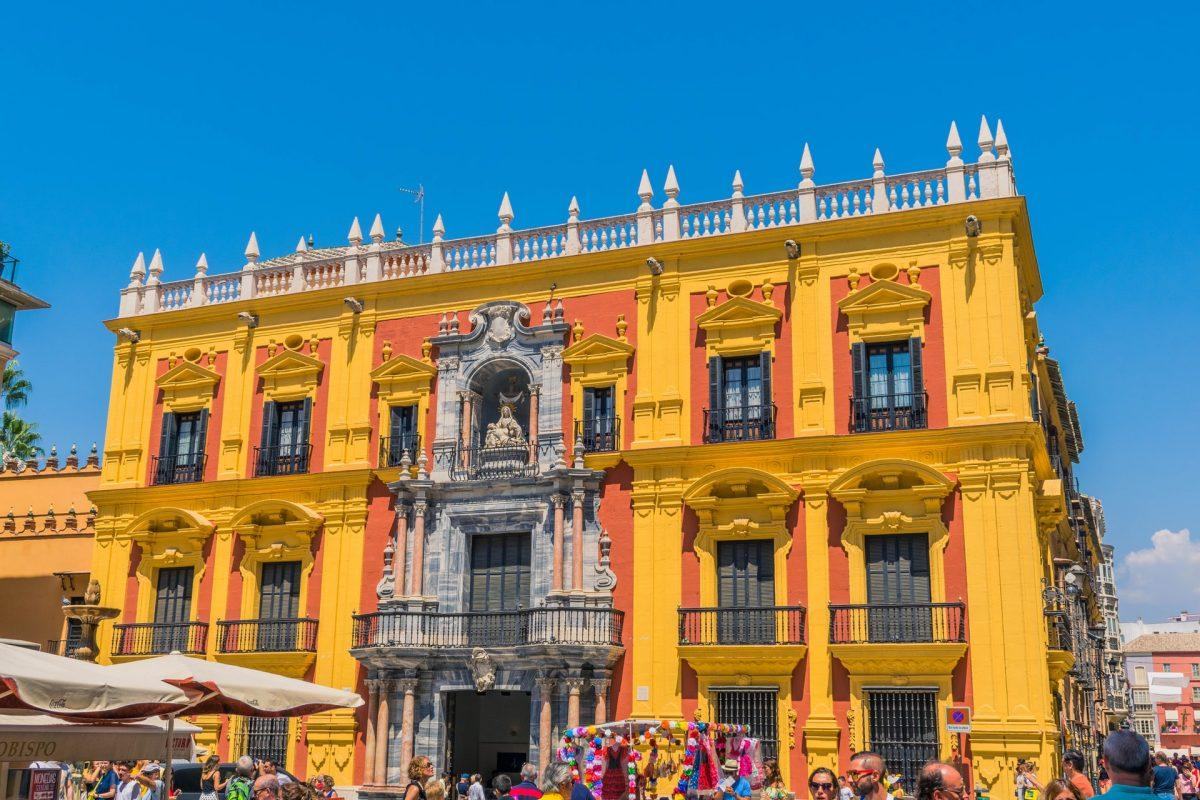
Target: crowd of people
250, 779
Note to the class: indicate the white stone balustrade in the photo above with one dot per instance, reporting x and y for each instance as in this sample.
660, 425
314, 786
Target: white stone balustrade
990, 176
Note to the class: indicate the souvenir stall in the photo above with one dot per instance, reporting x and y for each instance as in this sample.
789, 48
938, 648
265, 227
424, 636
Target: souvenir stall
647, 759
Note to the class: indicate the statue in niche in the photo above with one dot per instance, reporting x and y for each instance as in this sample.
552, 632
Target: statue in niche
506, 431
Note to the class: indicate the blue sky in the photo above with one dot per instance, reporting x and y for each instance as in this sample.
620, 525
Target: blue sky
130, 127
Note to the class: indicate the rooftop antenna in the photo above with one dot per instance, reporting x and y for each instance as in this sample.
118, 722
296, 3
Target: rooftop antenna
418, 198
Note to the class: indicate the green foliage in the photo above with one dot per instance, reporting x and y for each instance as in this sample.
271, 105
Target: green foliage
18, 438
14, 386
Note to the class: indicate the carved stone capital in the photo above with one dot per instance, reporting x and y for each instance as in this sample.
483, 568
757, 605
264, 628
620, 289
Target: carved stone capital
558, 500
601, 686
406, 685
574, 685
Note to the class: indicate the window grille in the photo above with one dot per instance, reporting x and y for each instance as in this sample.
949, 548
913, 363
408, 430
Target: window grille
262, 738
903, 728
758, 708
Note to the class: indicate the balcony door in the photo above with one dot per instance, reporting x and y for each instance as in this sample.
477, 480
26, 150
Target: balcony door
598, 419
740, 393
499, 586
285, 436
898, 588
181, 448
172, 610
402, 434
746, 592
279, 606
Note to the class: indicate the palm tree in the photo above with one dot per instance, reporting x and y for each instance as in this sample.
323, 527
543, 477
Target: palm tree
19, 439
14, 386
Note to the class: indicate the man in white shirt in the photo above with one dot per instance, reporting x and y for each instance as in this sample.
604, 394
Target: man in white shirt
127, 787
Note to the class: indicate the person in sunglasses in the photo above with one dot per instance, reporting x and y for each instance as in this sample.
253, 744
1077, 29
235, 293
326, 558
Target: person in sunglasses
940, 781
822, 784
866, 774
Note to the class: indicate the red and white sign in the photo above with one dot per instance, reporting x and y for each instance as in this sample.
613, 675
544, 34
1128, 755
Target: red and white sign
958, 719
43, 784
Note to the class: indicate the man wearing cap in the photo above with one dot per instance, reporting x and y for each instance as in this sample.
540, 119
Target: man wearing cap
735, 786
150, 778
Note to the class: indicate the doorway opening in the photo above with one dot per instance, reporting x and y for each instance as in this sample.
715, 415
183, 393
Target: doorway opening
487, 733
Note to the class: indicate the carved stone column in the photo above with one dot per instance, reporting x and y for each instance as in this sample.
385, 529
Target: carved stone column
402, 549
574, 686
382, 724
535, 393
369, 738
408, 734
418, 569
601, 686
545, 686
559, 501
465, 429
577, 535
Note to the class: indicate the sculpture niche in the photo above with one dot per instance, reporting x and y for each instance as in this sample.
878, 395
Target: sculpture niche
505, 449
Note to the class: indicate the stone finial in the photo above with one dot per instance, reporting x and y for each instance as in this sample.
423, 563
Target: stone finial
443, 325
355, 234
138, 273
578, 451
985, 140
201, 266
423, 466
953, 142
52, 459
252, 248
72, 521
877, 163
710, 296
914, 274
853, 278
768, 290
506, 212
30, 520
10, 522
548, 312
671, 187
405, 461
301, 246
156, 267
93, 459
399, 234
73, 457
426, 349
454, 322
806, 166
738, 186
386, 350
645, 190
51, 520
377, 233
560, 456
577, 331
1002, 152
439, 229
559, 311
622, 326
573, 208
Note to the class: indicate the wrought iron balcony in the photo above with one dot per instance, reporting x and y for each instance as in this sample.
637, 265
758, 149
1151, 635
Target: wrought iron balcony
159, 638
535, 626
177, 468
599, 434
739, 423
742, 625
393, 448
481, 463
267, 635
888, 623
891, 412
62, 647
289, 459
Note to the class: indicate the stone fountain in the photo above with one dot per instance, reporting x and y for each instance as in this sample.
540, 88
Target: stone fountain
90, 614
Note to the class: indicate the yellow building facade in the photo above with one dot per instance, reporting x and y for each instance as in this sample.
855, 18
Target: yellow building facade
794, 460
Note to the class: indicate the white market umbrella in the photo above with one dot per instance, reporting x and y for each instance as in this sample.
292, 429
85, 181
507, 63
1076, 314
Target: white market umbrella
71, 689
38, 737
216, 688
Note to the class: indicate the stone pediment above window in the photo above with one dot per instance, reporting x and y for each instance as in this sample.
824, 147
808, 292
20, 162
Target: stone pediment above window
599, 354
885, 311
187, 387
170, 536
403, 374
739, 326
290, 375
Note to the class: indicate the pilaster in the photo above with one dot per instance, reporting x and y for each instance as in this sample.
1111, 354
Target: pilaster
811, 359
238, 392
663, 322
821, 729
657, 544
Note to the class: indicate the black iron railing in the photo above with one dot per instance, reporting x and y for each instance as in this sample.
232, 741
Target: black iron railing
890, 412
288, 459
177, 468
267, 635
739, 423
886, 623
482, 463
535, 626
62, 647
393, 448
599, 434
745, 625
159, 638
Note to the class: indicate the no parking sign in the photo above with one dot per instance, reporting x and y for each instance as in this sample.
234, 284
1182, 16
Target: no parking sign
958, 719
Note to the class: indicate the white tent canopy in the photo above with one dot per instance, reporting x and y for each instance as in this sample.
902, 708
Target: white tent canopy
37, 737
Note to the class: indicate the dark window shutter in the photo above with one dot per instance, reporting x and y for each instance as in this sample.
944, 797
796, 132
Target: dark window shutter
716, 397
170, 436
858, 360
764, 361
918, 374
396, 425
200, 447
304, 422
726, 575
270, 426
589, 406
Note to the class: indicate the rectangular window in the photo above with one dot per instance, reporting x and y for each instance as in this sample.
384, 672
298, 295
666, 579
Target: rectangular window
402, 436
758, 708
499, 586
279, 606
599, 428
173, 610
746, 592
1196, 672
903, 728
284, 448
888, 386
181, 456
740, 400
263, 739
1196, 694
898, 588
1166, 667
